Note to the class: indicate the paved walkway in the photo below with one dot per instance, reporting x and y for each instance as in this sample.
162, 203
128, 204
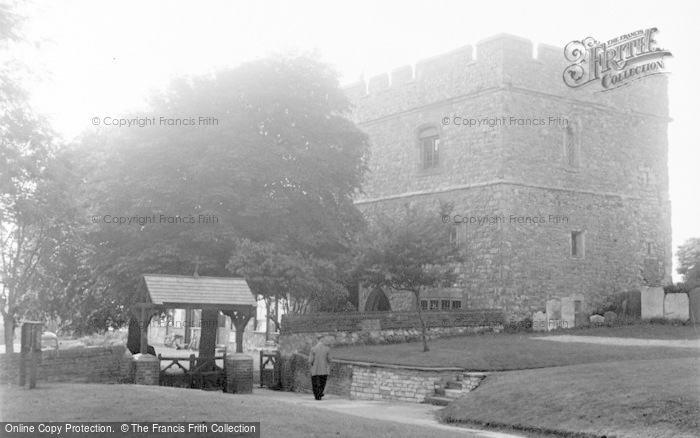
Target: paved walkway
633, 342
417, 414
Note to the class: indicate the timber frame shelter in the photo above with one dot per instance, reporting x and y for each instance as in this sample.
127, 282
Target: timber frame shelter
230, 295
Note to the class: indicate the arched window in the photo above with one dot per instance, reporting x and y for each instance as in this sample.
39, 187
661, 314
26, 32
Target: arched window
429, 148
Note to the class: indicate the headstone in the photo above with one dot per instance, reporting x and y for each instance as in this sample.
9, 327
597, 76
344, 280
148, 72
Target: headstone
694, 304
610, 317
597, 319
652, 302
539, 322
553, 314
568, 313
676, 306
634, 304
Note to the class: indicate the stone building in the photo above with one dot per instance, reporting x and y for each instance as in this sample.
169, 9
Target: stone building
562, 190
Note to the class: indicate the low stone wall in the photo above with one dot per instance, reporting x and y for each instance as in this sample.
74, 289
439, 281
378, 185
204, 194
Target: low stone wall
366, 321
365, 381
299, 332
84, 365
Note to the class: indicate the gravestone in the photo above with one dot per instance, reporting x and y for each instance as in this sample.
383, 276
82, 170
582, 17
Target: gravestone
553, 314
634, 304
694, 304
610, 317
597, 319
676, 307
539, 322
568, 313
652, 302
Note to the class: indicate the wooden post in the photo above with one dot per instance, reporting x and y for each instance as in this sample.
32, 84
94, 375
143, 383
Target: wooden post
144, 334
188, 326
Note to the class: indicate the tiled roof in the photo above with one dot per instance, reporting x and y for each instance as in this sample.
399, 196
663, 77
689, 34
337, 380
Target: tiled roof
182, 289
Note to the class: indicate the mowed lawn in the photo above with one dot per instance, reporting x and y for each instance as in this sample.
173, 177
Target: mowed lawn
650, 398
64, 402
500, 352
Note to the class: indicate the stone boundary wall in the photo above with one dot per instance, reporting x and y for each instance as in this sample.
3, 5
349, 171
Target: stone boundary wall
299, 332
367, 321
366, 381
81, 365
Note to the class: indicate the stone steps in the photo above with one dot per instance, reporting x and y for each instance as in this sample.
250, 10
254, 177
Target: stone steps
450, 389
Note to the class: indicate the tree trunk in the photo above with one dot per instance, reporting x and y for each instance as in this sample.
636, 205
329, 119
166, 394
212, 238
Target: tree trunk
9, 323
422, 321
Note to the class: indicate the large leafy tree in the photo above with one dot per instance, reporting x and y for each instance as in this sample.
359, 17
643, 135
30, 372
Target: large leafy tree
413, 252
39, 218
689, 261
273, 162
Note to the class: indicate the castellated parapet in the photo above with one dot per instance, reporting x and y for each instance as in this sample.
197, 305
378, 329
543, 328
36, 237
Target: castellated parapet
595, 162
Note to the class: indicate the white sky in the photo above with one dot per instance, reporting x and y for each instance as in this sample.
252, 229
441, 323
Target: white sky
102, 58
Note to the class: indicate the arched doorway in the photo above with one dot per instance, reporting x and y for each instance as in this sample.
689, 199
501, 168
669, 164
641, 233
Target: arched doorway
377, 301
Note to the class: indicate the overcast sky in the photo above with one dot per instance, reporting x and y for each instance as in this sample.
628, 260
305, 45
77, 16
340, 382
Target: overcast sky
100, 59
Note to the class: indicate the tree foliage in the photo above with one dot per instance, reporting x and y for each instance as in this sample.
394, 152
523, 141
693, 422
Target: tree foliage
689, 261
275, 177
412, 252
40, 220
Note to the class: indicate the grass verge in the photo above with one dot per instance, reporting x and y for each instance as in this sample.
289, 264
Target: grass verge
659, 398
503, 352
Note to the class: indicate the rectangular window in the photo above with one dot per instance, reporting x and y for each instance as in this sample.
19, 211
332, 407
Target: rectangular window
445, 305
571, 148
424, 304
650, 248
456, 305
577, 244
431, 153
434, 304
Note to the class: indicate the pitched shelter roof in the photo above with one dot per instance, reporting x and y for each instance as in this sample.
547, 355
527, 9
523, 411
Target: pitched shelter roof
180, 291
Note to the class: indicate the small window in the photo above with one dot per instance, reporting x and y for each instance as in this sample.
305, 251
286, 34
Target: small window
577, 306
424, 304
571, 147
645, 178
577, 244
434, 304
650, 248
456, 305
429, 148
445, 305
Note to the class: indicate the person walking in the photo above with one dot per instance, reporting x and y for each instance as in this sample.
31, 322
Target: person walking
320, 365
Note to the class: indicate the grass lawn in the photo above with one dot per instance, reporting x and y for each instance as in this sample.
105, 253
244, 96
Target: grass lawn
651, 398
130, 403
642, 331
498, 352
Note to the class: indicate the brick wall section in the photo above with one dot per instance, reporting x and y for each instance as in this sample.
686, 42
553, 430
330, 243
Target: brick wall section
338, 383
84, 365
367, 321
380, 382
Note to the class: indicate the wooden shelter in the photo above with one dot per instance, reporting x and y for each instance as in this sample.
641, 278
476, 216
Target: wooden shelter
231, 296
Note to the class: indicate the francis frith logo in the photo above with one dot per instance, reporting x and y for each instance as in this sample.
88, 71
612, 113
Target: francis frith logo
616, 62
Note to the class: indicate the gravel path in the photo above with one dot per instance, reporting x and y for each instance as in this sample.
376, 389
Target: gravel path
622, 341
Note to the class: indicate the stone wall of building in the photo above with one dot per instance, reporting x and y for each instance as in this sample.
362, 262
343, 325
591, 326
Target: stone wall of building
83, 365
586, 161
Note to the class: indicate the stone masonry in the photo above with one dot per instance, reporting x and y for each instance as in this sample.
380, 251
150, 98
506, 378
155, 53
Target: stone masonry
571, 186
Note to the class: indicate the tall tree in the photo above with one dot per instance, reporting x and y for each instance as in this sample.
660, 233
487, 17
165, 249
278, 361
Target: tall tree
264, 152
413, 252
38, 216
689, 261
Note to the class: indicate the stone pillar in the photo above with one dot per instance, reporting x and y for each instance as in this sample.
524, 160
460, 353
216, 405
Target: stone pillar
147, 369
239, 373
